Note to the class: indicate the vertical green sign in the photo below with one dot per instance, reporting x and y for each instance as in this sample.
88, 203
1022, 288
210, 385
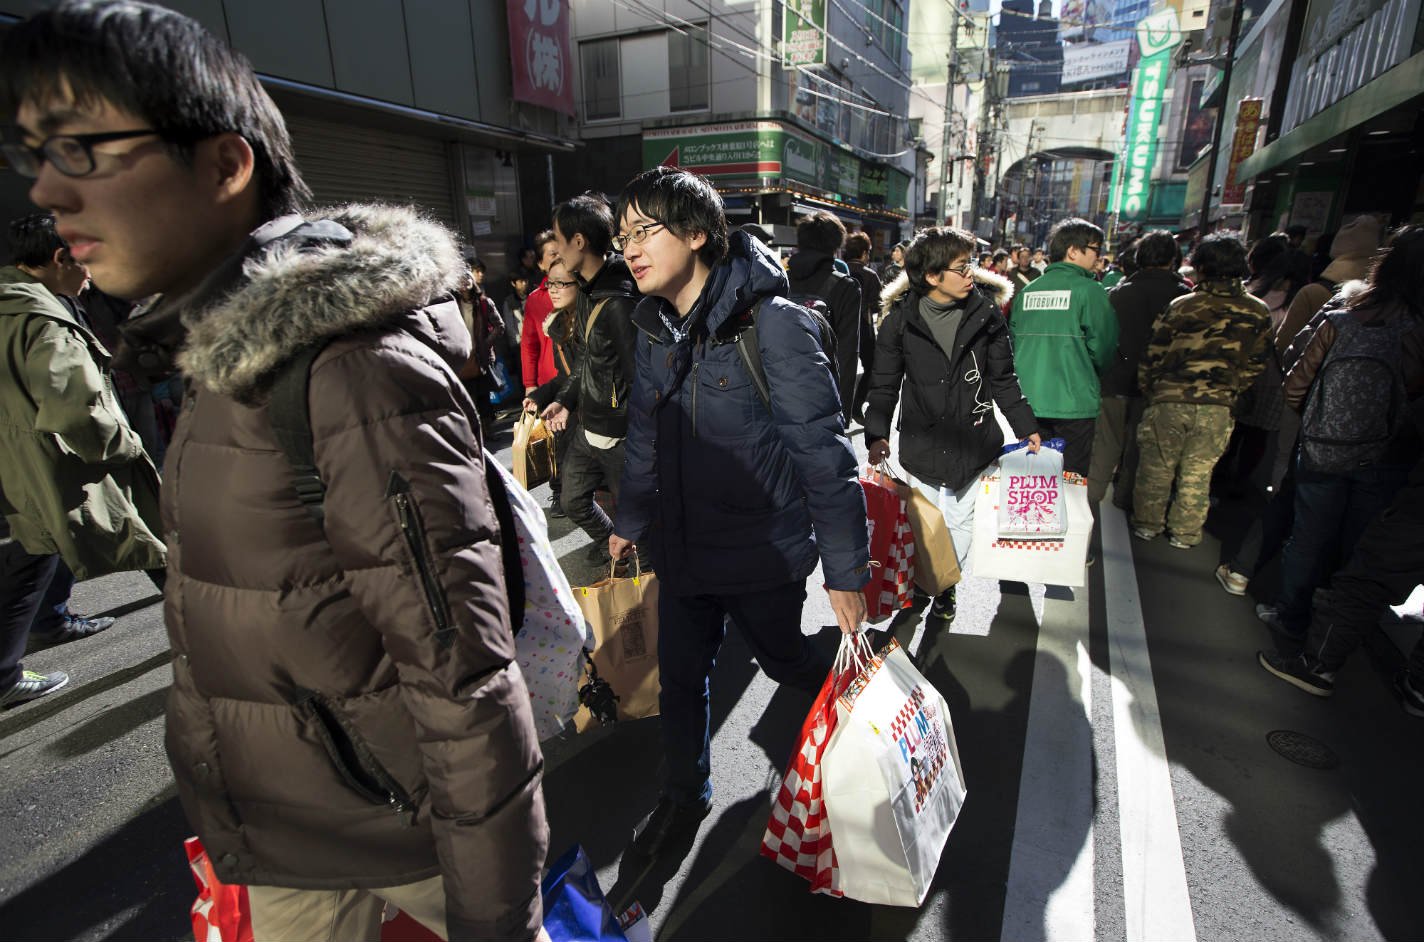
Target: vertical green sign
803, 33
1157, 36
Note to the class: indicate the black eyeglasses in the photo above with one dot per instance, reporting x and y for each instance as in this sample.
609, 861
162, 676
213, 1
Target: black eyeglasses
964, 271
636, 235
1095, 249
70, 154
562, 285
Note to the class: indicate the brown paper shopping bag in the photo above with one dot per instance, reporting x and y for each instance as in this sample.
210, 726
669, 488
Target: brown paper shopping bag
624, 616
936, 563
533, 454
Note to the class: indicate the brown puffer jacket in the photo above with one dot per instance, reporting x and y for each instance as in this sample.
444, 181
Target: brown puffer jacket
345, 709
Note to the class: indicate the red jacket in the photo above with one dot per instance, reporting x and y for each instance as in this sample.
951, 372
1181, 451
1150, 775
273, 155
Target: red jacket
535, 349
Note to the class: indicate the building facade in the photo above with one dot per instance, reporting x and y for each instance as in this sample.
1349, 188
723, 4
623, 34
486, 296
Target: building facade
788, 107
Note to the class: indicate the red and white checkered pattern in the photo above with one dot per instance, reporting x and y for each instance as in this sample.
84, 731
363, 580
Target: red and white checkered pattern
912, 705
798, 834
892, 551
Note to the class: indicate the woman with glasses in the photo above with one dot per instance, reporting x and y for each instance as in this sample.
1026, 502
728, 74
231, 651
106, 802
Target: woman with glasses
558, 326
943, 352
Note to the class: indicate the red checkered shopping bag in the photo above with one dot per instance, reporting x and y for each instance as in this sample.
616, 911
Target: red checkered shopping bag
798, 833
892, 550
220, 913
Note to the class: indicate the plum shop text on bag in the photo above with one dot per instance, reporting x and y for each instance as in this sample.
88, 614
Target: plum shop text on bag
1031, 498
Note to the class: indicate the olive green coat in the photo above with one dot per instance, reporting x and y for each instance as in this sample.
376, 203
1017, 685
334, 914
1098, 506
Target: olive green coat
74, 478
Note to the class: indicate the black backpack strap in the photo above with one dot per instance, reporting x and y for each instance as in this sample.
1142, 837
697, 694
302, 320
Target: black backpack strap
289, 413
748, 347
508, 543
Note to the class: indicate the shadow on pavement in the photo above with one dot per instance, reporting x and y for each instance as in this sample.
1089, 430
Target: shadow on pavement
135, 884
109, 725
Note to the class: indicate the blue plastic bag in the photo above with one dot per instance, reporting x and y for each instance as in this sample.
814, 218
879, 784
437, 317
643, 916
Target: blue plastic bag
574, 907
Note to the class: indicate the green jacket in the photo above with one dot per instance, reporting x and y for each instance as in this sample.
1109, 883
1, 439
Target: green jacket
1207, 347
1065, 334
74, 478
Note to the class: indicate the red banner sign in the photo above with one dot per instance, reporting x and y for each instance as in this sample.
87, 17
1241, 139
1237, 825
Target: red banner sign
1248, 120
540, 54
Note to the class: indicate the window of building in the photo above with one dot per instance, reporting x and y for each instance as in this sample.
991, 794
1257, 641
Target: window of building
885, 22
688, 69
601, 94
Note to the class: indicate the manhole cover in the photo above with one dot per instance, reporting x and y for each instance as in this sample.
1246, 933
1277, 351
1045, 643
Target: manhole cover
1302, 749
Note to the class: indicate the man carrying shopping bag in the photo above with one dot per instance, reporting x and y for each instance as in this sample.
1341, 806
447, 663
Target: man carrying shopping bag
742, 495
944, 346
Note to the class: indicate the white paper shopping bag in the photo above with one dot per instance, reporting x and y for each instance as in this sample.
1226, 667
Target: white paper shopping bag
892, 782
1055, 562
1032, 504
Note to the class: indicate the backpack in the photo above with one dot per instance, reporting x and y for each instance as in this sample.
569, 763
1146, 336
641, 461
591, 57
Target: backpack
750, 349
1356, 404
550, 632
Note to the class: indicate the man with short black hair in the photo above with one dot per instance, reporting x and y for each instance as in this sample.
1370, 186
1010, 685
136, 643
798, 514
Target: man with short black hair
1065, 335
745, 494
78, 493
1139, 300
857, 255
943, 353
812, 271
1023, 272
598, 389
347, 724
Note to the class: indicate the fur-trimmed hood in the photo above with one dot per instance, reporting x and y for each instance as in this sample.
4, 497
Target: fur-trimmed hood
997, 289
311, 283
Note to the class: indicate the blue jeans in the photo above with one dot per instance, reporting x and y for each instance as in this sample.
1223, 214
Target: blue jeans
34, 597
690, 631
1331, 511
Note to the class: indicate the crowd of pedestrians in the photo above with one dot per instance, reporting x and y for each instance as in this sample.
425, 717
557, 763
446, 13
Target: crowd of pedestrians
702, 393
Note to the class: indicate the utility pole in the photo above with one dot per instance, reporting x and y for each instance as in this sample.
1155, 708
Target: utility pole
1220, 119
945, 161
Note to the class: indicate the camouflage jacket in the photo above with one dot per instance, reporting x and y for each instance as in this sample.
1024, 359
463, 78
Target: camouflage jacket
1207, 346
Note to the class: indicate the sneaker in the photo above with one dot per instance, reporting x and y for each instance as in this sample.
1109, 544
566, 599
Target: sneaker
1233, 582
555, 510
73, 628
671, 826
1179, 544
1142, 533
32, 685
1299, 671
1271, 615
598, 554
1409, 698
943, 606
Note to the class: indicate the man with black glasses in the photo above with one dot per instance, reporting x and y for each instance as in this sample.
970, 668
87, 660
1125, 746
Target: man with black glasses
596, 395
1065, 334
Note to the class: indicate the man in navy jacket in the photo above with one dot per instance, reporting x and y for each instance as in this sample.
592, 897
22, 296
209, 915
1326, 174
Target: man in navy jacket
744, 496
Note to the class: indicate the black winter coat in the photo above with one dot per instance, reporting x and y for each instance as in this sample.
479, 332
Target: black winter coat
1139, 299
742, 498
813, 272
603, 376
948, 434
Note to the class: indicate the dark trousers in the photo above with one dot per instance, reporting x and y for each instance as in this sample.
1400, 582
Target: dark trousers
1077, 435
1331, 512
1115, 455
1387, 564
1268, 531
585, 470
690, 631
34, 596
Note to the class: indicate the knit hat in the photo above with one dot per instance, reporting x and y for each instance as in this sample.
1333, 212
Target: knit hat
1358, 238
1354, 245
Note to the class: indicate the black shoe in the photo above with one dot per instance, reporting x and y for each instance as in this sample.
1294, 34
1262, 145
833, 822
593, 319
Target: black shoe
1299, 671
73, 628
598, 554
555, 509
670, 827
943, 607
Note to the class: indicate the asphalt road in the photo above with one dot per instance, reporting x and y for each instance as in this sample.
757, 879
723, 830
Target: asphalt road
1114, 739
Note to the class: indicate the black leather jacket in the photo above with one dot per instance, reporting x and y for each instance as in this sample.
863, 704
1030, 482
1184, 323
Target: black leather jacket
602, 379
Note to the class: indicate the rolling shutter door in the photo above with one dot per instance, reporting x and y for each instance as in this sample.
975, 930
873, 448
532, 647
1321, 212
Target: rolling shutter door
346, 163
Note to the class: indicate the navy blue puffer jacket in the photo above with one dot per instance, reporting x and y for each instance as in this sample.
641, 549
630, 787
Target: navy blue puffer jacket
738, 498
